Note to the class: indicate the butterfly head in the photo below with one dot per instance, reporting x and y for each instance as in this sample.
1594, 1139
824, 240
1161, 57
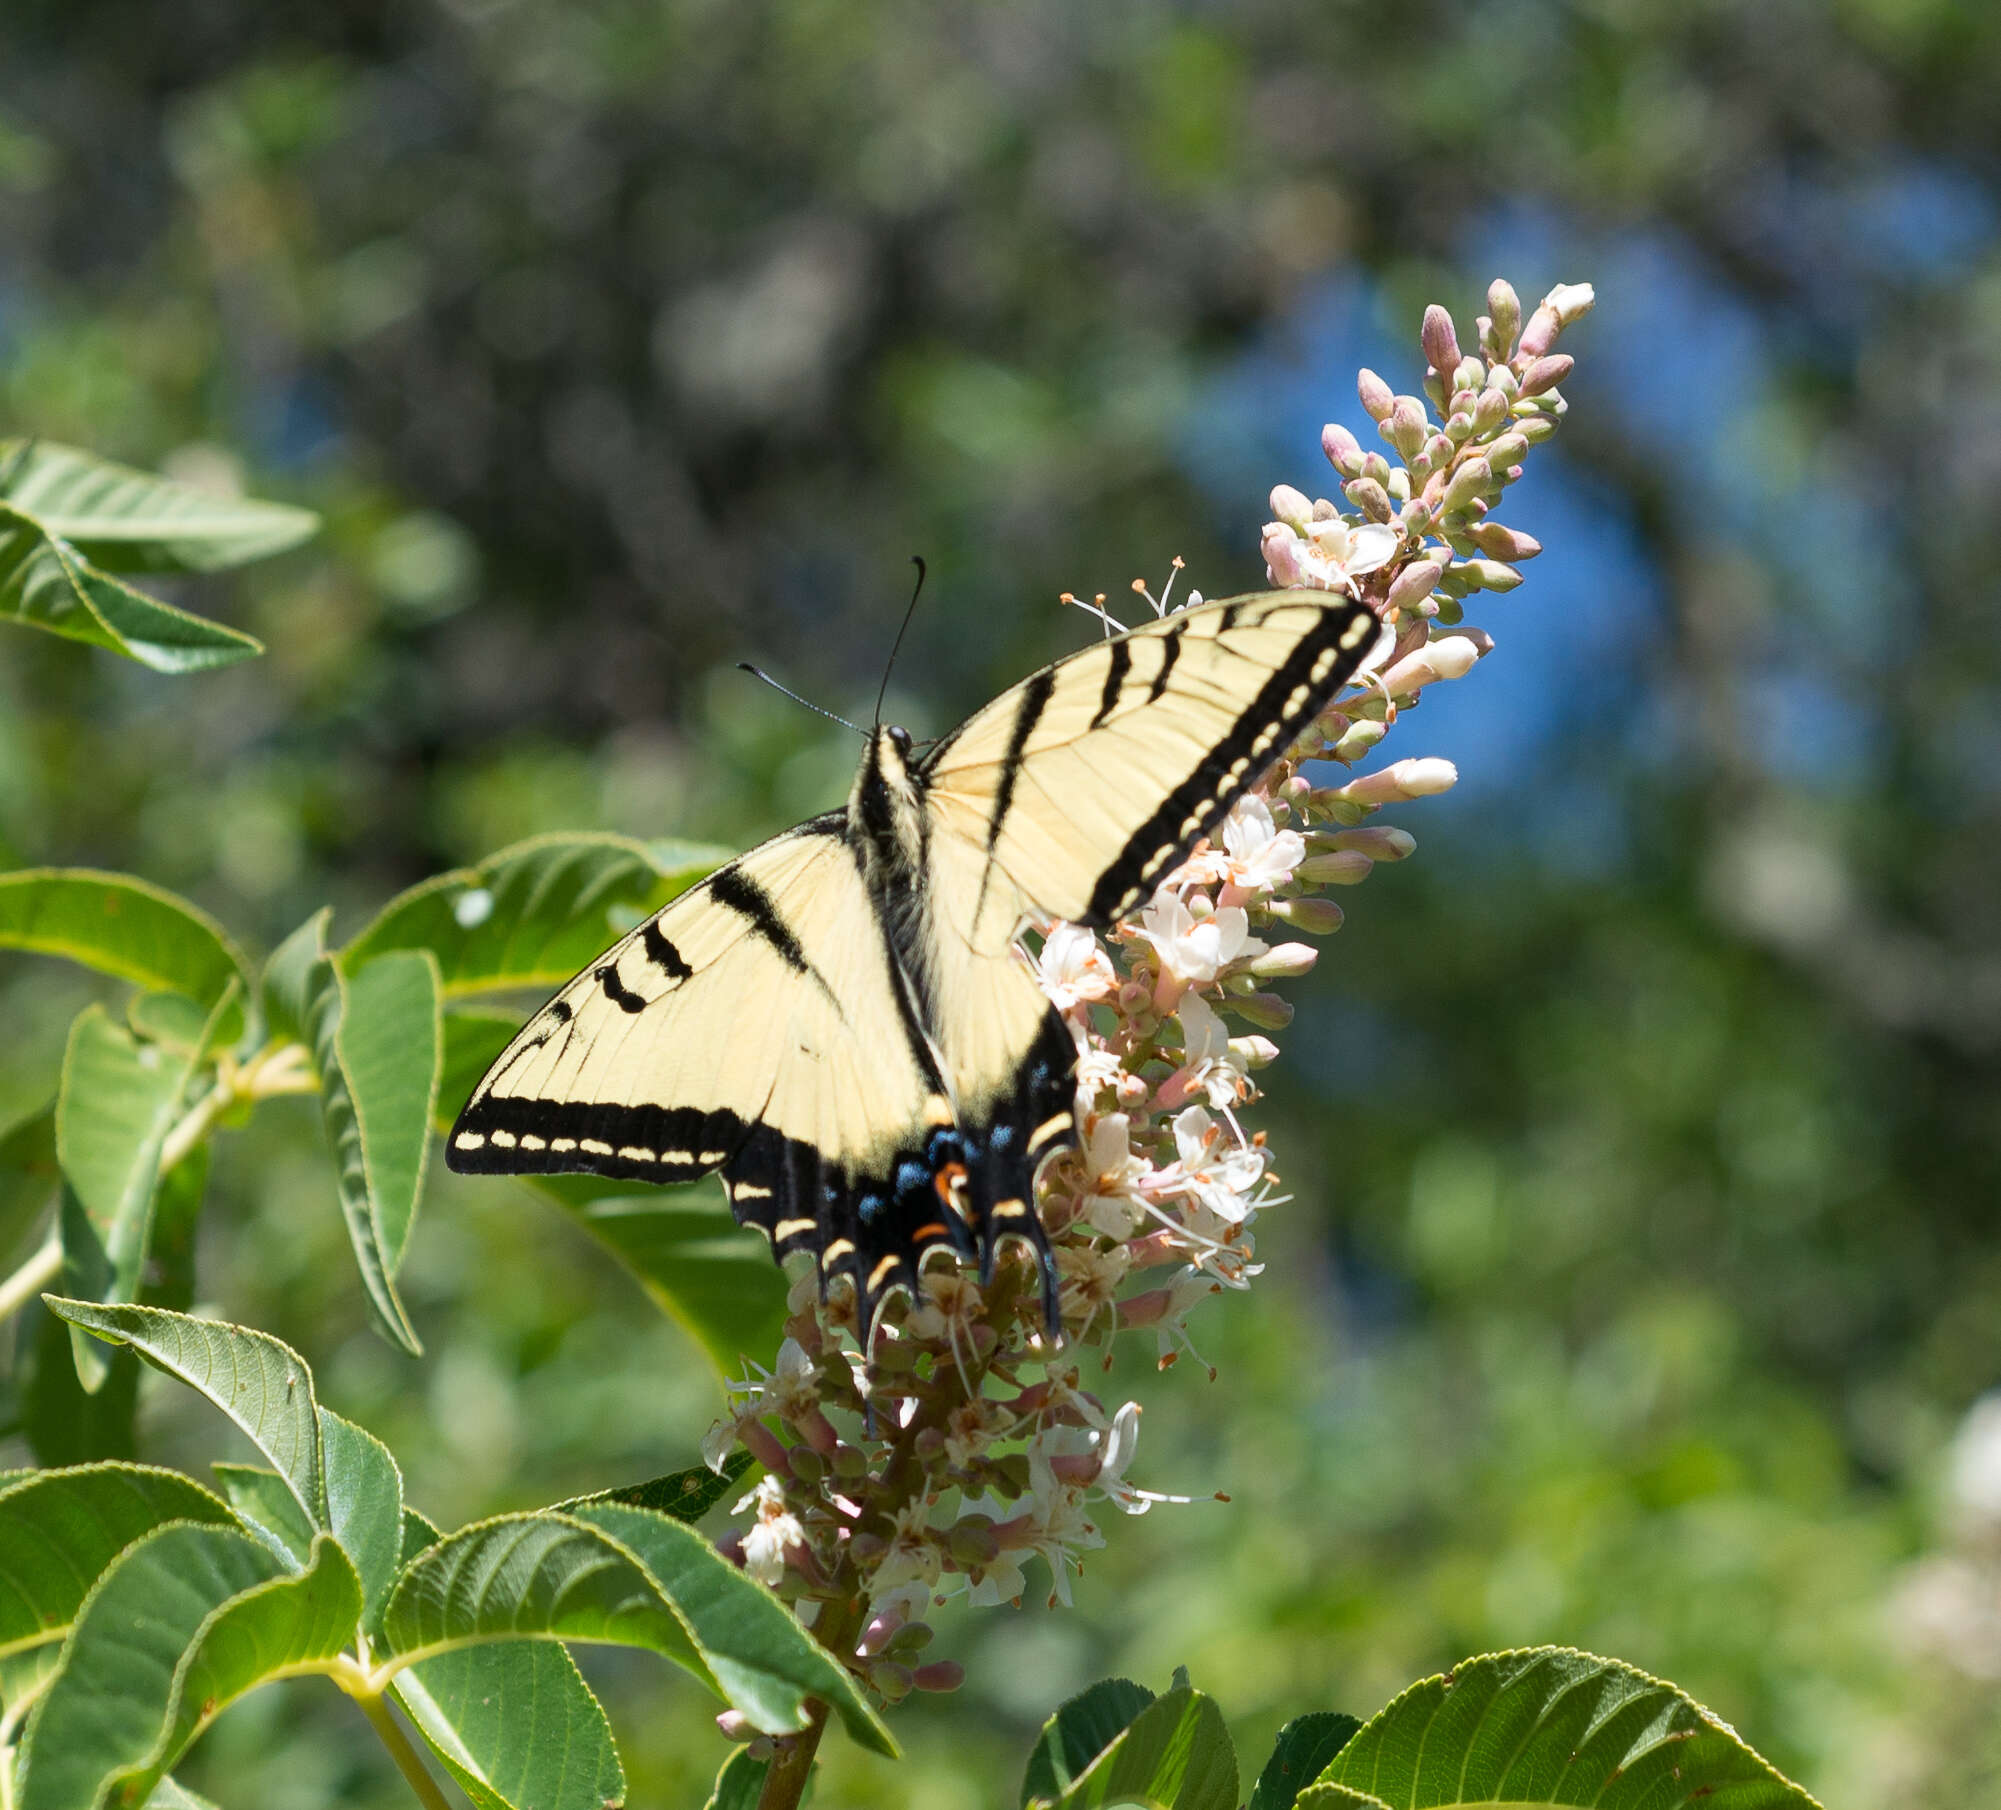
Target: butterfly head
886, 807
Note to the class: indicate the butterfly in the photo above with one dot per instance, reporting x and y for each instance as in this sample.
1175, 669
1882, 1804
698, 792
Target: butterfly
843, 1021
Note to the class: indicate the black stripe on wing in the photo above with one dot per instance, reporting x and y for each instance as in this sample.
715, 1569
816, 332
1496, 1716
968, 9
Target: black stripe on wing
1289, 699
514, 1134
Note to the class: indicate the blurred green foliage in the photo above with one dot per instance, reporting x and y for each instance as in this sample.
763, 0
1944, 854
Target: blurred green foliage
1643, 1130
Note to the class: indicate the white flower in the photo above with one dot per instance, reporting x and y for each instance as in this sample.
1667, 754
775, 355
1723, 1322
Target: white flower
912, 1557
1332, 554
1255, 856
1214, 1169
776, 1529
792, 1391
1196, 949
1074, 968
1113, 1173
1209, 1065
1120, 1445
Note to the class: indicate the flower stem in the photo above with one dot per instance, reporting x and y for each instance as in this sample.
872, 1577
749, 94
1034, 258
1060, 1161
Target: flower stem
32, 1277
392, 1736
836, 1630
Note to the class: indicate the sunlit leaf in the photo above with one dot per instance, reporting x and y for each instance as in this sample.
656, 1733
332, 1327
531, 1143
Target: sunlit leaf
186, 1621
374, 1040
1548, 1726
704, 1270
131, 521
516, 1726
119, 1099
262, 1384
1080, 1730
47, 584
169, 1795
119, 926
364, 1505
59, 1531
534, 914
767, 1663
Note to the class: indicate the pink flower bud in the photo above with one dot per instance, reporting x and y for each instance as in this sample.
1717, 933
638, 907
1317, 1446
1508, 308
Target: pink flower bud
1343, 867
1506, 308
1377, 396
1282, 551
1254, 1052
1359, 739
1503, 543
1292, 507
736, 1726
1507, 450
1379, 841
1414, 583
939, 1675
1538, 335
1406, 428
1490, 412
1312, 914
1370, 498
1468, 380
1403, 779
1265, 1010
1286, 962
1535, 429
1440, 340
1466, 484
1546, 373
892, 1680
1488, 575
1343, 450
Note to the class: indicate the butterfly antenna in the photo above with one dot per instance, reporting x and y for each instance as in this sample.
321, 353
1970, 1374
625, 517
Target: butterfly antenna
758, 672
916, 592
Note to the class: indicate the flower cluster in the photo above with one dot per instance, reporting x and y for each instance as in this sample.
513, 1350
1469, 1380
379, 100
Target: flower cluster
968, 1443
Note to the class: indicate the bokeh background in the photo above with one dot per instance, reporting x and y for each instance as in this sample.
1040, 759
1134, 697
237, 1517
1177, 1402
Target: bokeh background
1643, 1129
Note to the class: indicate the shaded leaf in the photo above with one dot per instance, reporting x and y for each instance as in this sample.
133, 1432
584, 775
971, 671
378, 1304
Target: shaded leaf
131, 521
118, 1101
47, 584
29, 1175
167, 1795
364, 1506
1548, 1725
1176, 1754
119, 926
264, 1503
516, 1726
700, 1267
767, 1664
262, 1384
474, 1038
1305, 1745
282, 988
739, 1784
685, 1495
535, 913
420, 1532
1080, 1730
107, 1705
65, 1425
374, 1042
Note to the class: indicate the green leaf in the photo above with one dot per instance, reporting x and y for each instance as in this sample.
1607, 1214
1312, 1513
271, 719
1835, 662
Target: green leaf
474, 1039
261, 1383
1080, 1730
739, 1784
119, 1099
1305, 1745
533, 1576
167, 1795
47, 584
516, 1726
187, 1620
131, 521
767, 1663
714, 1277
59, 1531
364, 1506
420, 1533
264, 1503
282, 989
1175, 1754
1337, 1797
29, 1175
64, 1424
1547, 1726
119, 926
684, 1495
534, 914
375, 1045
107, 1704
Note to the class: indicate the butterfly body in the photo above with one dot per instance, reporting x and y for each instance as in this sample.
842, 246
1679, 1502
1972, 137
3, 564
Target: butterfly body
842, 1021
